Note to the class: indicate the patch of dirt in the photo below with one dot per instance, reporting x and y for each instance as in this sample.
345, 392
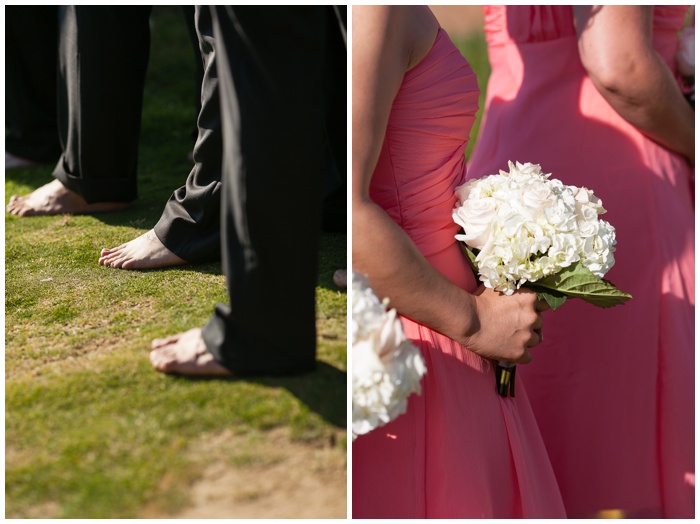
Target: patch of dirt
64, 348
263, 475
45, 510
67, 356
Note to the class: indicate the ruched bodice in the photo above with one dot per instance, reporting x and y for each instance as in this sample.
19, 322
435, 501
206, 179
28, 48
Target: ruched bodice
460, 450
422, 158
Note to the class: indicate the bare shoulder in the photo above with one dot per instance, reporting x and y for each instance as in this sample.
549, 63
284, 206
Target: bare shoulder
422, 30
407, 32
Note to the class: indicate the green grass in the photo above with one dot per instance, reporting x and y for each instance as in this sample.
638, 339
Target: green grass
91, 430
473, 48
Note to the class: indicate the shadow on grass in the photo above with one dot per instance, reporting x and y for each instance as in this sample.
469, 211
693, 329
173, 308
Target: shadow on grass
146, 210
331, 258
323, 391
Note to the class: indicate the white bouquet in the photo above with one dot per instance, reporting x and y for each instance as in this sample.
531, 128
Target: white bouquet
523, 228
386, 368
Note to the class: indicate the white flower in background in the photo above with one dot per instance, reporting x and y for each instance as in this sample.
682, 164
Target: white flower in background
386, 368
685, 56
527, 226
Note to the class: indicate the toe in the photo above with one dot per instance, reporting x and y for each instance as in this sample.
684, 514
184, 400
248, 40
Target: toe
160, 342
163, 360
116, 261
156, 360
130, 264
25, 210
107, 260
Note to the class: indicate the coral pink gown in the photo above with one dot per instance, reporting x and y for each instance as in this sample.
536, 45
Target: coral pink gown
613, 389
460, 450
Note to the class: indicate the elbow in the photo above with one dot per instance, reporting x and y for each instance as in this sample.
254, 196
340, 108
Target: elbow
607, 75
623, 82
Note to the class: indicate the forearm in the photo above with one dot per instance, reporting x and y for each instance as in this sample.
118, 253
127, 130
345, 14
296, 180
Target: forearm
398, 270
615, 45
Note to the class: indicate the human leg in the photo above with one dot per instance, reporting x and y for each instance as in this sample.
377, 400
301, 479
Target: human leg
100, 98
188, 230
103, 54
273, 128
31, 62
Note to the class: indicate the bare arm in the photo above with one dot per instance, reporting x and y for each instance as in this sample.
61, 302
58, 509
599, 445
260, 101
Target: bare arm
615, 44
491, 324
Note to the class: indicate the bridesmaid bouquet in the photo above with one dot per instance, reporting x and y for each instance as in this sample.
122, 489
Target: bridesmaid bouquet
522, 228
386, 368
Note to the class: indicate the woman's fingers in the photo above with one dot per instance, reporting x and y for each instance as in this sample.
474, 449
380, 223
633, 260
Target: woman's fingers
541, 305
535, 338
538, 323
539, 333
525, 358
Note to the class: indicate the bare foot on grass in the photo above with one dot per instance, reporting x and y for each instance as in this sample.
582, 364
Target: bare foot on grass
185, 354
144, 252
55, 199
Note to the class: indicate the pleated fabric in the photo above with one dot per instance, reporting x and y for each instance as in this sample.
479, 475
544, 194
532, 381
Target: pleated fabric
612, 390
460, 451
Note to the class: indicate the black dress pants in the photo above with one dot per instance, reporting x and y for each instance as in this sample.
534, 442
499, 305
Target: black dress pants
272, 62
31, 63
188, 12
103, 55
189, 225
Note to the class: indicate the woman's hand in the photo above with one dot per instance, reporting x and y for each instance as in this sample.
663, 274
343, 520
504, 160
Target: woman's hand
506, 326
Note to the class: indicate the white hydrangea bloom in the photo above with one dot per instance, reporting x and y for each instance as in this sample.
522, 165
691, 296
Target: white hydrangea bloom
685, 55
598, 256
527, 226
386, 368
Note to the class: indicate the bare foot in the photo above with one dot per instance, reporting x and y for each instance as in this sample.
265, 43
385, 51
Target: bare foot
144, 252
185, 354
340, 277
55, 199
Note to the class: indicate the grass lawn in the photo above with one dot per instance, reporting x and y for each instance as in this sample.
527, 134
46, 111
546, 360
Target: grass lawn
91, 431
473, 48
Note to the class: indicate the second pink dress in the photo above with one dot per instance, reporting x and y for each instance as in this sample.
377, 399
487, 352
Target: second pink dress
612, 390
460, 451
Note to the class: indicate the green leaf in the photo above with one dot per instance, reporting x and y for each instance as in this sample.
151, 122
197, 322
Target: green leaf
471, 256
555, 299
576, 281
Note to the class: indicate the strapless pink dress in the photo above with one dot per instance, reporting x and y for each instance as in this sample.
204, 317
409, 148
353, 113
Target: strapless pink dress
612, 390
460, 451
